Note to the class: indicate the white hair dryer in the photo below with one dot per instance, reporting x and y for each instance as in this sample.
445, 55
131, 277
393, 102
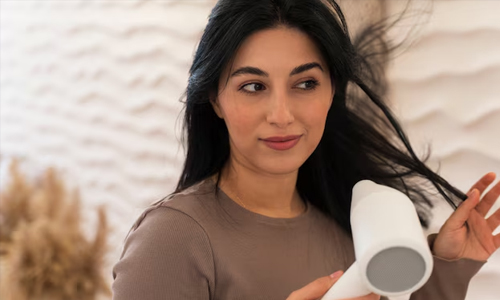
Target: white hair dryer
392, 254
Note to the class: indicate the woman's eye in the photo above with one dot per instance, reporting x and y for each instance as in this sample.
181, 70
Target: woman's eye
309, 84
254, 87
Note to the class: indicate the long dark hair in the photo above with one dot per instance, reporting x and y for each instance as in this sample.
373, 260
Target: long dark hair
362, 138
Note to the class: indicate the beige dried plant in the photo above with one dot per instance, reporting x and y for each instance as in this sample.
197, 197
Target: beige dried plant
14, 203
49, 255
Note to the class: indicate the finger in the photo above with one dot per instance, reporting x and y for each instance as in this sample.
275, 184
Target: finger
488, 200
494, 220
315, 289
496, 240
371, 296
483, 183
461, 215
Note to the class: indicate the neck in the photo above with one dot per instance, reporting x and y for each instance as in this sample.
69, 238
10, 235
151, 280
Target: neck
273, 195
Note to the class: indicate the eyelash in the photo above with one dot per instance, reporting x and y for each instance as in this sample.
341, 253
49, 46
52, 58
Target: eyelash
313, 81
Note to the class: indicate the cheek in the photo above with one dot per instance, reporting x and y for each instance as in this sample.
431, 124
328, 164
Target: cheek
241, 124
315, 117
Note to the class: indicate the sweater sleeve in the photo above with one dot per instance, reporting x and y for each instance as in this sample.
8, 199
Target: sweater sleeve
167, 255
449, 279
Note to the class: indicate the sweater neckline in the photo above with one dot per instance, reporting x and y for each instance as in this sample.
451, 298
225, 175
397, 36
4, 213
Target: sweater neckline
241, 213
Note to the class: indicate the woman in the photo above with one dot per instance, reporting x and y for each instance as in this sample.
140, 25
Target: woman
275, 145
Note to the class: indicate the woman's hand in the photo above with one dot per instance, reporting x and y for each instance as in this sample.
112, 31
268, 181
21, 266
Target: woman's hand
467, 234
319, 287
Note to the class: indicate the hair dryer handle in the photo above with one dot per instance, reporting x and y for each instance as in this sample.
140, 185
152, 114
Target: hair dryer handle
350, 285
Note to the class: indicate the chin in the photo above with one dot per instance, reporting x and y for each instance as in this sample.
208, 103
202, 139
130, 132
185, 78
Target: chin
279, 167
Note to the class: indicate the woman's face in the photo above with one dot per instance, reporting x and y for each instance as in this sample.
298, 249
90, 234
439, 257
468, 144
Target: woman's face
276, 100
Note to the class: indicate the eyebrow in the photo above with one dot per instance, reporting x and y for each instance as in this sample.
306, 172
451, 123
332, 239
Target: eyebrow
259, 72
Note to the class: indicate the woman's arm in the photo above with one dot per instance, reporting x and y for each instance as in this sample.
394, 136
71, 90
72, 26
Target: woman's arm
168, 256
463, 243
450, 278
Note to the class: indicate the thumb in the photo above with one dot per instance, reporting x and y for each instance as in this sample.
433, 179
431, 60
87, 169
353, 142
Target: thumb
317, 288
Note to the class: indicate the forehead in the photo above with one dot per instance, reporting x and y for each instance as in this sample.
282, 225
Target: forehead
277, 48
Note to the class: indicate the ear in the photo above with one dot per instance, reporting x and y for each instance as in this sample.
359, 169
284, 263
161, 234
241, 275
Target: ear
215, 104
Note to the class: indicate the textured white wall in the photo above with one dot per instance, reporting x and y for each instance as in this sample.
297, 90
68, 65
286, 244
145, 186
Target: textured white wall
91, 87
445, 88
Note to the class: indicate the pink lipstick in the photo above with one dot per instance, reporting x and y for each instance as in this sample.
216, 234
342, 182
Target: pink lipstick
282, 142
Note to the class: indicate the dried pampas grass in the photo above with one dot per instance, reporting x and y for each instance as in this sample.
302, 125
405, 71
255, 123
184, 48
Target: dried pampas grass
49, 257
14, 203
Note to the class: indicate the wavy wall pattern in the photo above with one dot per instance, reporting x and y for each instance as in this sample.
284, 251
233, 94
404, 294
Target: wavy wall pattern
445, 90
92, 87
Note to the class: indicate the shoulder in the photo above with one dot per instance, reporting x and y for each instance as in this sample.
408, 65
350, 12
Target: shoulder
188, 206
175, 221
165, 248
167, 234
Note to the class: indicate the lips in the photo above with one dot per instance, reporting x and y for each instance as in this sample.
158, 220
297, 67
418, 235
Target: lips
282, 142
281, 138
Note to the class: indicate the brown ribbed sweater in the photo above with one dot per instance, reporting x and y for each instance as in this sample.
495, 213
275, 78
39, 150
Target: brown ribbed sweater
196, 245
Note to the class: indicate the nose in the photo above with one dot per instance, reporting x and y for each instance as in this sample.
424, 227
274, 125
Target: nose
279, 113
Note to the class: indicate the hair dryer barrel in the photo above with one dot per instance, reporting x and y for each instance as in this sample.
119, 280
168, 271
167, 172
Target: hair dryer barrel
386, 230
382, 217
392, 254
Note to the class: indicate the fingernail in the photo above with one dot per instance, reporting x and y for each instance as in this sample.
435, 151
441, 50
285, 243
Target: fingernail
472, 193
336, 275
